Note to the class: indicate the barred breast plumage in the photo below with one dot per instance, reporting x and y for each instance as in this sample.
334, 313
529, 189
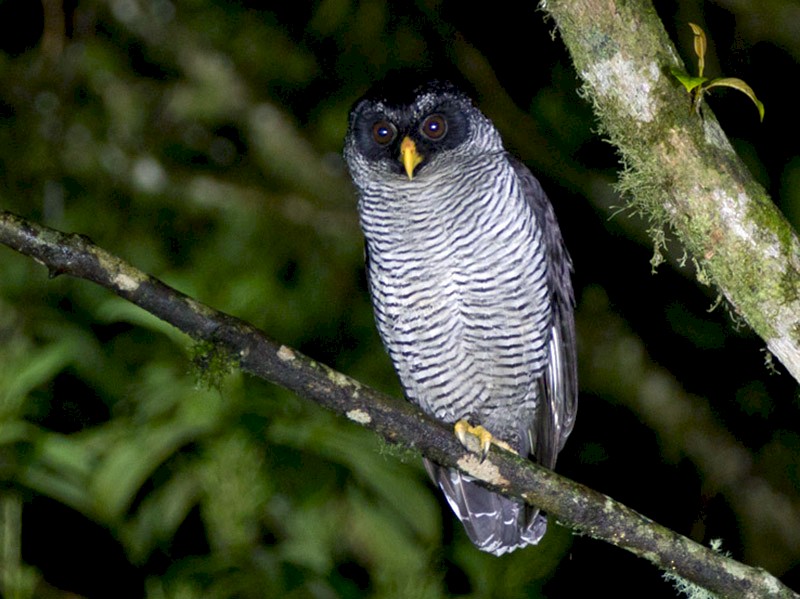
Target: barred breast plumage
470, 285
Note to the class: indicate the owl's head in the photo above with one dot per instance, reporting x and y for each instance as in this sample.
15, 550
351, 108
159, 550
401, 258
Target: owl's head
401, 130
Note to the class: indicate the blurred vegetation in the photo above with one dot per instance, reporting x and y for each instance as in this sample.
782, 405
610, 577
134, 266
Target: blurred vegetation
200, 141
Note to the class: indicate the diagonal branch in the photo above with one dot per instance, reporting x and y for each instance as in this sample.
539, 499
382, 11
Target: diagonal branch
582, 509
681, 170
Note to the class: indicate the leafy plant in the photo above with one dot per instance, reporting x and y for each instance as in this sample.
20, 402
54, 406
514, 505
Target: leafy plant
698, 86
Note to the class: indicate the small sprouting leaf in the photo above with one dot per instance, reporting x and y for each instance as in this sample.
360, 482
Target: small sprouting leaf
688, 81
700, 46
742, 87
697, 86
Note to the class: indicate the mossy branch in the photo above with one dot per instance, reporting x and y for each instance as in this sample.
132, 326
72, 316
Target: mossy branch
578, 507
680, 169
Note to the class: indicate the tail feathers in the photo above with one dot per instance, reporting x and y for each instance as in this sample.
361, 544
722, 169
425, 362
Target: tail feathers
494, 523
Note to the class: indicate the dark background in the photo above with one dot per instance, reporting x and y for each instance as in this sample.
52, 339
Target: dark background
201, 141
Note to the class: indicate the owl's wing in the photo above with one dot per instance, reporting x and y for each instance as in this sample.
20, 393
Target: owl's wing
558, 387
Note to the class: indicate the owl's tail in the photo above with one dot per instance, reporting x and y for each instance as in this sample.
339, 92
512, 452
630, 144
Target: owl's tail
494, 523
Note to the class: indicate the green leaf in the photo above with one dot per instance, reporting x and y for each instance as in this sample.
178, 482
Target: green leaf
742, 87
58, 467
127, 464
687, 80
700, 46
160, 514
21, 372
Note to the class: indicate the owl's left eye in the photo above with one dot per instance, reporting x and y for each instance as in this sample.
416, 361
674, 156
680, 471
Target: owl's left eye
434, 127
383, 132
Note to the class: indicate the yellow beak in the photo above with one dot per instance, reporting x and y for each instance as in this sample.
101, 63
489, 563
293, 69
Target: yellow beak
409, 156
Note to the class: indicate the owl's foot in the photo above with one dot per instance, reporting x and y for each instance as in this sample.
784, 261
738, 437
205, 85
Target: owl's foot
464, 430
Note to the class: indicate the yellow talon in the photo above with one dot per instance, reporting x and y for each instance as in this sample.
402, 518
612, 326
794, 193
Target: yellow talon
466, 432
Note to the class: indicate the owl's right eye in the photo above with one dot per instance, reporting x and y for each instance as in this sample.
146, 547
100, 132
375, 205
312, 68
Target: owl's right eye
383, 132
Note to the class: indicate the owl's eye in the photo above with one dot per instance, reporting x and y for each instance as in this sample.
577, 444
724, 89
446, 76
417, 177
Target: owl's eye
383, 132
434, 127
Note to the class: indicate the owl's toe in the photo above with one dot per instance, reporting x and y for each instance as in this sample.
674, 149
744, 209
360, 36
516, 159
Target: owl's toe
478, 439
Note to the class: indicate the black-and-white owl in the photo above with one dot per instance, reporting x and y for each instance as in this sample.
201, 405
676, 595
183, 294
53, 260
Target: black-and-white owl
471, 287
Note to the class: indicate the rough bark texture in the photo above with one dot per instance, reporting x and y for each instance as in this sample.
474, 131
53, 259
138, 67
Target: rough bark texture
680, 168
582, 509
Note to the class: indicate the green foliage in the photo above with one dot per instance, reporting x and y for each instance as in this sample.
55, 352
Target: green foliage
699, 85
